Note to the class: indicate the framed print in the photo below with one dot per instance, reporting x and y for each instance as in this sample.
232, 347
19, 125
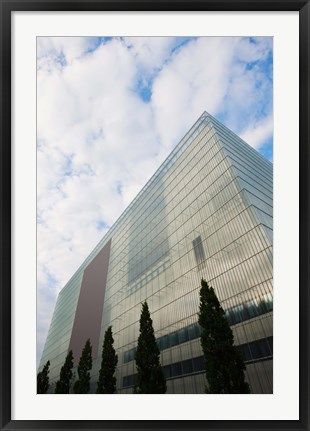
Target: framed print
151, 152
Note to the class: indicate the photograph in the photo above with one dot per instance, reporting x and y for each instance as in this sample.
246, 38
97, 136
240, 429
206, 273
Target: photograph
154, 215
154, 206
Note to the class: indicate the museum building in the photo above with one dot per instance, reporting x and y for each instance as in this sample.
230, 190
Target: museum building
205, 213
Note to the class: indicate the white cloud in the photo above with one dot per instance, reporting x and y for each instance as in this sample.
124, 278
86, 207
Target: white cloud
100, 140
212, 74
150, 52
257, 49
70, 48
258, 133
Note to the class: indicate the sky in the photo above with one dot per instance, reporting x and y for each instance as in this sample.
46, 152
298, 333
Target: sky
109, 111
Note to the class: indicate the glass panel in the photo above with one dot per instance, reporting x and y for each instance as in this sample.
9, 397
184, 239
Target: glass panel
167, 371
176, 369
264, 348
164, 342
246, 352
183, 336
191, 332
198, 364
173, 338
187, 366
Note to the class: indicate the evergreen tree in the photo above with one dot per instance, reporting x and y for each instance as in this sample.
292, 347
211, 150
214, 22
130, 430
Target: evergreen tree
63, 384
107, 380
82, 385
43, 379
150, 378
223, 361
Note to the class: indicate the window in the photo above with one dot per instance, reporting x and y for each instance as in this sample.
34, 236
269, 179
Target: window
191, 332
270, 343
198, 250
173, 339
129, 380
129, 355
183, 337
187, 366
176, 369
257, 350
245, 351
164, 342
198, 363
167, 371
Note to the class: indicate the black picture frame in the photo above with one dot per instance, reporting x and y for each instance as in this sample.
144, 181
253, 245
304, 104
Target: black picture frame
7, 7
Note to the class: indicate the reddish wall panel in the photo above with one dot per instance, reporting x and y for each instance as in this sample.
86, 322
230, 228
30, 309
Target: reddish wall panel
88, 316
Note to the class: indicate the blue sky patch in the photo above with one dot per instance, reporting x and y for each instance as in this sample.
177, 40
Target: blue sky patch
68, 168
267, 149
181, 42
100, 225
96, 42
119, 188
144, 89
61, 60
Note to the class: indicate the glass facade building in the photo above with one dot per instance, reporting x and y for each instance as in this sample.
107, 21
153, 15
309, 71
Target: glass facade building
206, 213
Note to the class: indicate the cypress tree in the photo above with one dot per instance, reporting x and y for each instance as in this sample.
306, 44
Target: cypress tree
43, 379
63, 384
224, 364
150, 377
107, 380
82, 385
